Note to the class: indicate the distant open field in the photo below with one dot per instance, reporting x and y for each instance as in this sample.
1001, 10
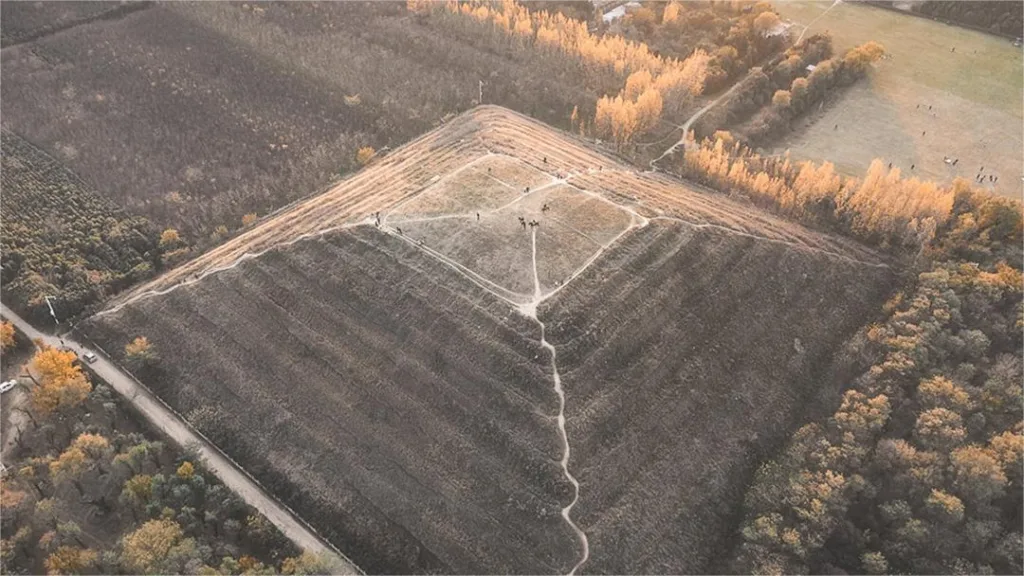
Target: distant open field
428, 387
925, 103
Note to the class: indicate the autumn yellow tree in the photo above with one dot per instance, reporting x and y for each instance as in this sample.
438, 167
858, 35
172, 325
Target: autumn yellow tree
6, 335
860, 57
157, 546
309, 563
186, 470
85, 452
61, 385
137, 490
169, 238
781, 99
249, 219
139, 352
365, 154
671, 13
70, 560
766, 22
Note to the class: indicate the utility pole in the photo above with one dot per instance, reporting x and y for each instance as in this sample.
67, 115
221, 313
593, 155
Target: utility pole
480, 93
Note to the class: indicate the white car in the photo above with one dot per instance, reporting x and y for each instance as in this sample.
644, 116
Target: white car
8, 385
89, 357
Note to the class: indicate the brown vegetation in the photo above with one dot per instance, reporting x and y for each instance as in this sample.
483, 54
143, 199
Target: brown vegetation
918, 468
807, 91
994, 16
448, 462
195, 115
6, 336
732, 33
63, 240
759, 85
687, 355
883, 209
299, 299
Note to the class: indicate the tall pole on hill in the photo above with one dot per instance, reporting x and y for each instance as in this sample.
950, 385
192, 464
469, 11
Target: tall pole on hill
480, 93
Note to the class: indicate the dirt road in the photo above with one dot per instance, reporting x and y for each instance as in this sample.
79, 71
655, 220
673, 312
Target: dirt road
696, 116
164, 419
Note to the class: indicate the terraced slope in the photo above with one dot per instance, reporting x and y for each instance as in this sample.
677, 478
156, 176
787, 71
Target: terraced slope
414, 167
686, 354
403, 411
533, 359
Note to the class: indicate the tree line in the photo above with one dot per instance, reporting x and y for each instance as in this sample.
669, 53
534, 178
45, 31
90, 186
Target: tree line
804, 92
736, 34
919, 469
882, 209
639, 85
758, 87
995, 16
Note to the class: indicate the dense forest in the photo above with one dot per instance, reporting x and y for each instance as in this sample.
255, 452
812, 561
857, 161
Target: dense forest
737, 35
919, 468
90, 489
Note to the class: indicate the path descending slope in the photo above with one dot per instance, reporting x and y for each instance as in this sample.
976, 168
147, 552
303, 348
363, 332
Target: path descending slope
390, 382
411, 411
169, 423
685, 354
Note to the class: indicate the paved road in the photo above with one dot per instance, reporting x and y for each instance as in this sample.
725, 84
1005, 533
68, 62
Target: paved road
163, 418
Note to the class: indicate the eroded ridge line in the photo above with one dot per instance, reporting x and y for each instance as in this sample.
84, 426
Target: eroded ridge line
798, 245
211, 271
563, 435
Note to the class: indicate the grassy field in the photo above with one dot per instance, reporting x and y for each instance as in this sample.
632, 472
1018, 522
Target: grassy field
490, 230
398, 388
925, 103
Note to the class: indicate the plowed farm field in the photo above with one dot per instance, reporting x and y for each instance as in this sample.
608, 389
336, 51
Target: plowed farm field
499, 350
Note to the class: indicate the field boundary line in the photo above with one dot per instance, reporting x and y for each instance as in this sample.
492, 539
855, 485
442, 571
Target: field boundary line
563, 434
388, 211
470, 275
115, 13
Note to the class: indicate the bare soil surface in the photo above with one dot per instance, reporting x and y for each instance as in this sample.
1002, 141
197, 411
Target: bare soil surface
409, 411
26, 21
686, 354
474, 139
